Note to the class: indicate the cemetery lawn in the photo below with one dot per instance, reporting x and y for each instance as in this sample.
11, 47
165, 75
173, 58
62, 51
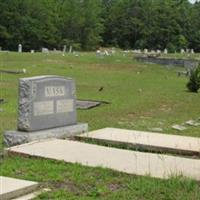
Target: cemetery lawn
142, 96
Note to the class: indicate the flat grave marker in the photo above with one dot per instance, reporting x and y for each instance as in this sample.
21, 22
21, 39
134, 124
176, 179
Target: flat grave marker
146, 140
131, 162
13, 188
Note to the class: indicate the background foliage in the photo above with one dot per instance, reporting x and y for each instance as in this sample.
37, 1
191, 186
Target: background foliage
88, 24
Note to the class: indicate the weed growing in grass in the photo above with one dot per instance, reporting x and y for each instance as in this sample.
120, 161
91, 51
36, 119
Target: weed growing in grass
194, 83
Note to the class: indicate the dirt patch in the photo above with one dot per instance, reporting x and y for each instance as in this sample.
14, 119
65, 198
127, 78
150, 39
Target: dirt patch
114, 186
132, 114
165, 108
65, 185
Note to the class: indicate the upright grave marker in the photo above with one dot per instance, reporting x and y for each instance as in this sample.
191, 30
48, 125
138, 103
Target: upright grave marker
165, 51
46, 102
47, 108
64, 50
19, 48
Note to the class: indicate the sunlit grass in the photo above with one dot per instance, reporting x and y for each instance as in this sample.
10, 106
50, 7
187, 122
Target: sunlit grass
142, 97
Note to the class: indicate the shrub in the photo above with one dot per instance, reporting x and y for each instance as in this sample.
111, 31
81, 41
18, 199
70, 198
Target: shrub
194, 82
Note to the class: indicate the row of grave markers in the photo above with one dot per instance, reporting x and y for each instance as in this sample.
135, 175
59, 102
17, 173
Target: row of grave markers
108, 52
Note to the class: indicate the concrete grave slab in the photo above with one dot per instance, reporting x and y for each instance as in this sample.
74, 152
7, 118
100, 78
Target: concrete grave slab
179, 127
19, 71
132, 162
192, 123
82, 104
147, 140
12, 188
32, 195
88, 104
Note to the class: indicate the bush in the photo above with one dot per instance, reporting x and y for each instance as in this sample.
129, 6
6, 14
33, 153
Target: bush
194, 83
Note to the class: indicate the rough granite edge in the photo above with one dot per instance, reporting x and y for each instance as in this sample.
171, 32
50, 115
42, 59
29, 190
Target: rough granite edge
24, 105
12, 138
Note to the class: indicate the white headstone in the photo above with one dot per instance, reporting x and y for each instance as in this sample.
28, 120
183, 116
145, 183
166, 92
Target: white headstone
158, 51
182, 51
165, 51
145, 50
106, 53
70, 49
45, 50
113, 50
64, 50
98, 53
152, 51
19, 48
32, 51
192, 51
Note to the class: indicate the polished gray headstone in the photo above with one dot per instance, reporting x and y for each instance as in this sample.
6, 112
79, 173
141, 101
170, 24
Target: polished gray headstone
46, 102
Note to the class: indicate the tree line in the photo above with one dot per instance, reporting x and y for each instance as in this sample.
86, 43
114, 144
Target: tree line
89, 24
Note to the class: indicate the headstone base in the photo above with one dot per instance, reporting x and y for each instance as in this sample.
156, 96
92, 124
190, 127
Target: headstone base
12, 138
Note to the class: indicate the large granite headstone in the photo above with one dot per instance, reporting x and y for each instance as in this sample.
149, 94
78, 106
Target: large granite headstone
47, 108
46, 102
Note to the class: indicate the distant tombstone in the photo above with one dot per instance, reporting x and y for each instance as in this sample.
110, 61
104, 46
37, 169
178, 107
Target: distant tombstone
64, 49
192, 51
158, 51
106, 53
98, 53
70, 49
46, 102
145, 50
19, 48
32, 51
0, 48
113, 50
45, 50
165, 51
182, 51
152, 51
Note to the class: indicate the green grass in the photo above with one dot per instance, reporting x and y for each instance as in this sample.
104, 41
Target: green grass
73, 181
142, 97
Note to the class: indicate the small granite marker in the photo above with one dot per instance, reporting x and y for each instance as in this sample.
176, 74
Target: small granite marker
45, 102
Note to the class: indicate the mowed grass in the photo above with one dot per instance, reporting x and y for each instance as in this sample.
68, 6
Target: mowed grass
142, 96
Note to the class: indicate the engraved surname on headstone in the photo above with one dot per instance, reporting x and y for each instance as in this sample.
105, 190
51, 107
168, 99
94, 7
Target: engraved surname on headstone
54, 91
43, 108
64, 106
